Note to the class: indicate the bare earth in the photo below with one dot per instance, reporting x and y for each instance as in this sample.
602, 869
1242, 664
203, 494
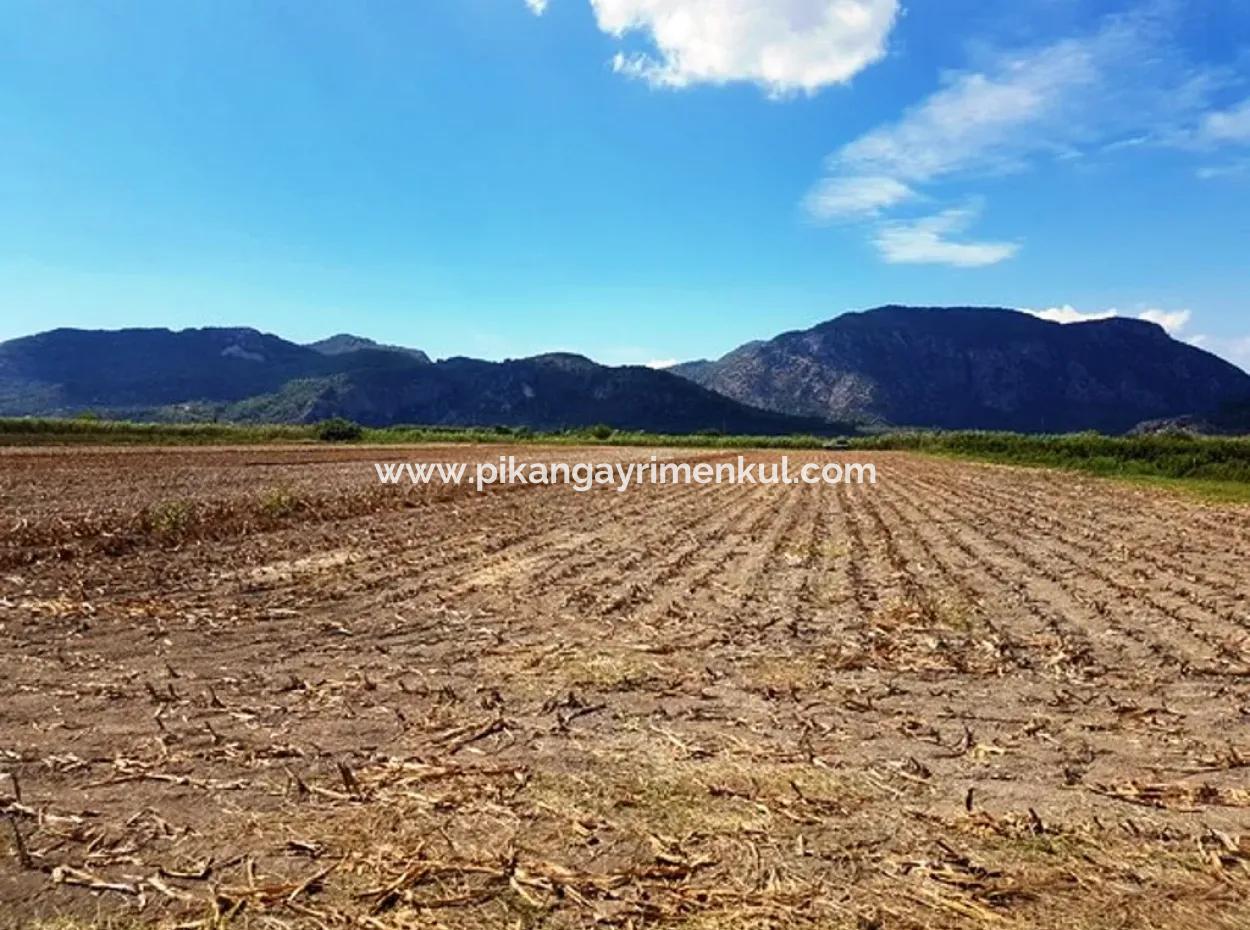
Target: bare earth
254, 688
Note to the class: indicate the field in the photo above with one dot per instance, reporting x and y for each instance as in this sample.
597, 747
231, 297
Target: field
252, 687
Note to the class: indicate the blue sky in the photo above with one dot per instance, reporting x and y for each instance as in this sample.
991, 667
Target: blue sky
637, 180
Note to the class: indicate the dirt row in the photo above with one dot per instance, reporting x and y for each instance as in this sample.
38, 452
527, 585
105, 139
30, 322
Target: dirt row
966, 694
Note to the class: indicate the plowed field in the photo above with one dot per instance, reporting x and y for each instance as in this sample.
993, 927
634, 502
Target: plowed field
256, 688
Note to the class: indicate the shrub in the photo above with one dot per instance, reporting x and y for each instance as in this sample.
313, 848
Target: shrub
601, 431
338, 429
280, 502
168, 518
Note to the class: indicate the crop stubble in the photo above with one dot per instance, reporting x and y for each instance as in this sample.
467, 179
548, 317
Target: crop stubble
254, 687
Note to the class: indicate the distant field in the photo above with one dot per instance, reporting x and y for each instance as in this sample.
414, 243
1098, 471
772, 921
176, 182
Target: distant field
253, 688
1212, 467
49, 431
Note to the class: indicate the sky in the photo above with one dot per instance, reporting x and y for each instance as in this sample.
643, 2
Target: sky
637, 180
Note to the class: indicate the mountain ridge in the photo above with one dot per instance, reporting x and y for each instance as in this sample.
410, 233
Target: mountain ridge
959, 368
341, 343
239, 373
975, 368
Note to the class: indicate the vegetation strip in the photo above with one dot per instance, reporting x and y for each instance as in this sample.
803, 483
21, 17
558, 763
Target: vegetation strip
1216, 467
1211, 466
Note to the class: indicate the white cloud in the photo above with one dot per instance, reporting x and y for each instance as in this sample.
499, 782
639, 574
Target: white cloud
537, 7
865, 195
781, 45
1069, 314
1172, 321
1235, 349
661, 363
926, 241
1118, 88
1232, 169
974, 122
1231, 125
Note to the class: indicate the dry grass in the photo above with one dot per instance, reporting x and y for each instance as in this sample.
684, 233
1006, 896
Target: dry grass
946, 703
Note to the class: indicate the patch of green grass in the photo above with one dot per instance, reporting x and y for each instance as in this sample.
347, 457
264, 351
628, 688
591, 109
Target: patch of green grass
592, 435
25, 431
1222, 492
1211, 458
1209, 467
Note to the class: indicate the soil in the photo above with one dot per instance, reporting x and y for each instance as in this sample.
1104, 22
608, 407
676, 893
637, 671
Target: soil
254, 687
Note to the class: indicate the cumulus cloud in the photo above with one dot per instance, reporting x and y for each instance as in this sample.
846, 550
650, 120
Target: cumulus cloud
1173, 321
1235, 349
927, 240
661, 363
1069, 314
537, 7
1066, 313
781, 45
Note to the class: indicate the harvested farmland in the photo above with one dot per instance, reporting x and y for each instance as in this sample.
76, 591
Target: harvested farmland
253, 687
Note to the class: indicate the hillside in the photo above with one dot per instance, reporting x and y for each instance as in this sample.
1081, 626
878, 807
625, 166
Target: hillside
245, 375
976, 368
68, 370
545, 392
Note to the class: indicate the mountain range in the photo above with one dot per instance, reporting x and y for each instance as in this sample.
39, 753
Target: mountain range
243, 375
980, 368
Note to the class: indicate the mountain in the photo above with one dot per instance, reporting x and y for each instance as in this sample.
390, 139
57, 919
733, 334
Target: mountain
971, 368
345, 342
545, 392
67, 370
976, 368
242, 374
